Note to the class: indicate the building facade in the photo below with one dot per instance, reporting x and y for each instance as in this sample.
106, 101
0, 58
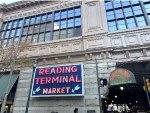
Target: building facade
97, 34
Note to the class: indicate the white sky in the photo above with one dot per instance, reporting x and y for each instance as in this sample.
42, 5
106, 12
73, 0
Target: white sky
7, 1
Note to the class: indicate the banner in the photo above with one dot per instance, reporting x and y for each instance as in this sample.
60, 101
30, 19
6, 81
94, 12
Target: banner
64, 80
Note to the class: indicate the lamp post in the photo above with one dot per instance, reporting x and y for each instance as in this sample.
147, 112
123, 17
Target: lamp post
34, 62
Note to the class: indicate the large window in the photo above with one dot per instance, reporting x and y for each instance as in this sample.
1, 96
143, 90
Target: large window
45, 27
125, 14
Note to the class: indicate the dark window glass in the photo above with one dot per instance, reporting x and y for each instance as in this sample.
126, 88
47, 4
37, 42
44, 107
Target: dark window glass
18, 31
41, 37
20, 23
77, 31
25, 30
70, 33
121, 24
48, 26
70, 23
43, 18
63, 14
55, 35
42, 28
38, 18
9, 25
63, 24
36, 28
7, 34
128, 12
112, 26
77, 11
12, 33
131, 23
4, 26
119, 13
125, 2
49, 17
77, 21
117, 4
57, 15
70, 13
137, 10
47, 36
141, 21
27, 20
110, 15
32, 21
56, 25
108, 5
30, 31
15, 23
62, 34
147, 8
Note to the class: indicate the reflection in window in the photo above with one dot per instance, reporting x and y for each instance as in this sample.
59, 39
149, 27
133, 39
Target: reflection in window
62, 34
77, 21
27, 20
42, 28
43, 18
20, 23
57, 16
56, 25
23, 39
63, 14
147, 8
30, 31
110, 15
41, 37
5, 43
137, 10
121, 24
108, 5
16, 41
10, 41
29, 38
15, 24
112, 26
12, 33
38, 18
25, 30
4, 26
2, 35
70, 23
36, 28
47, 36
119, 13
70, 33
77, 12
55, 35
128, 12
9, 25
70, 13
63, 24
49, 17
77, 31
134, 2
140, 21
125, 3
117, 4
18, 32
32, 21
131, 23
48, 26
149, 17
7, 34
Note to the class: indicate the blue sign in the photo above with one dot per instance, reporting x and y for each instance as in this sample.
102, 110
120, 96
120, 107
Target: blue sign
64, 80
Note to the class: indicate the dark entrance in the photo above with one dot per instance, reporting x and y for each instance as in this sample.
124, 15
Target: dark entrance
131, 95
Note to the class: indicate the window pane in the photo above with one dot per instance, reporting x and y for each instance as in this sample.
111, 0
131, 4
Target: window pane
112, 26
43, 18
70, 13
25, 30
5, 43
4, 26
56, 25
119, 13
23, 39
128, 12
41, 37
116, 4
77, 11
9, 25
55, 35
35, 38
57, 16
49, 17
140, 21
47, 36
108, 5
36, 28
12, 33
15, 24
32, 21
131, 23
149, 17
20, 23
63, 14
29, 39
147, 8
48, 26
134, 1
38, 18
27, 20
125, 3
137, 10
77, 21
121, 24
16, 41
77, 31
2, 35
10, 41
70, 23
42, 28
110, 15
18, 32
30, 30
62, 34
70, 33
63, 24
7, 34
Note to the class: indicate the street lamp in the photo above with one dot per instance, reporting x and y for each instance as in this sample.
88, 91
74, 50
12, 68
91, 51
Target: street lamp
34, 62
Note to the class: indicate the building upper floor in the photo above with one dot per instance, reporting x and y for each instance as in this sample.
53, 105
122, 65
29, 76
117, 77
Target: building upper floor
72, 26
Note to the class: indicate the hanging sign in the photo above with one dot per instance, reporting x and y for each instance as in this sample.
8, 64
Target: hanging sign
121, 76
64, 80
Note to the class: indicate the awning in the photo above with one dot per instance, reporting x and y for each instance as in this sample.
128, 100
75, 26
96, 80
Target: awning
4, 82
121, 76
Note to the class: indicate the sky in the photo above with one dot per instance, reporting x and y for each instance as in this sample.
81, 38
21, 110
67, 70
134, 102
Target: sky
7, 1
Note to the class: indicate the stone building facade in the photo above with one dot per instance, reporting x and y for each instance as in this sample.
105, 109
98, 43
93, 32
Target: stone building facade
95, 42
